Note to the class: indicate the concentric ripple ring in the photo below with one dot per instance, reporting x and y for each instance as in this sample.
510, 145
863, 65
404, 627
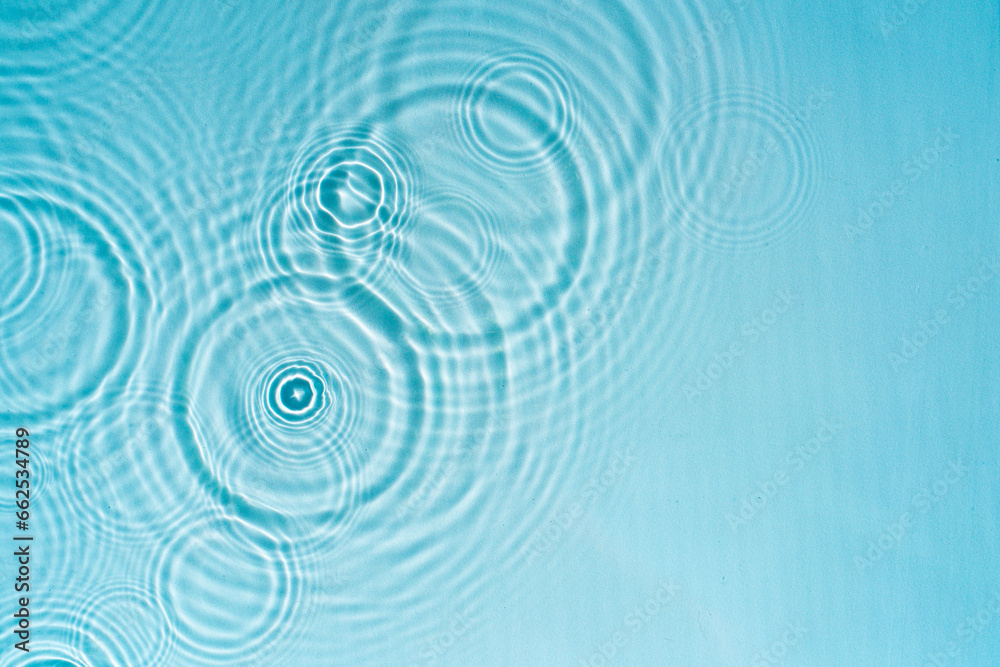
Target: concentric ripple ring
516, 111
123, 624
229, 590
75, 268
739, 170
347, 195
302, 406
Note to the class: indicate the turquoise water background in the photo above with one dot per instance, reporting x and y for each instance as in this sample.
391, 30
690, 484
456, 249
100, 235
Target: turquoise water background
540, 333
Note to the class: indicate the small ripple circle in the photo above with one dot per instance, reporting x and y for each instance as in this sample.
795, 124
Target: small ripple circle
123, 624
229, 590
516, 111
738, 169
295, 393
347, 195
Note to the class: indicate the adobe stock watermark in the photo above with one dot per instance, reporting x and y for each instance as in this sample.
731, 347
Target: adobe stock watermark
911, 345
920, 504
337, 577
774, 654
455, 627
752, 331
695, 45
794, 461
563, 520
625, 285
43, 14
475, 439
897, 14
271, 129
425, 491
912, 171
371, 29
540, 206
560, 11
589, 328
974, 625
435, 141
630, 625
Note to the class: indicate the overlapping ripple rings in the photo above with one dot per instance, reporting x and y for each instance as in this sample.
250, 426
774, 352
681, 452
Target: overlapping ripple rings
76, 564
578, 219
301, 406
125, 468
53, 650
348, 196
525, 142
324, 311
122, 623
229, 591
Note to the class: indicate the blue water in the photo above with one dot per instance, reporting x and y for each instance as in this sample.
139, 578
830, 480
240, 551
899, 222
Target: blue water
539, 333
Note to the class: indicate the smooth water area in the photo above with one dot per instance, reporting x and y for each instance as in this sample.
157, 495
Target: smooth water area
471, 333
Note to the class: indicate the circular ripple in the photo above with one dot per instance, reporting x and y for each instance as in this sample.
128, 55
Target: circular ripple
452, 249
294, 394
70, 321
348, 194
74, 565
47, 652
21, 238
739, 170
516, 111
229, 591
122, 624
569, 182
300, 407
125, 468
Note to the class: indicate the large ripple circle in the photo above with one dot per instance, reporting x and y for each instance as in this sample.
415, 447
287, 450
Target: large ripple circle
72, 291
301, 406
739, 170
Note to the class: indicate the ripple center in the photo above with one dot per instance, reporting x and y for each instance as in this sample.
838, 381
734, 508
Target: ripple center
296, 393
